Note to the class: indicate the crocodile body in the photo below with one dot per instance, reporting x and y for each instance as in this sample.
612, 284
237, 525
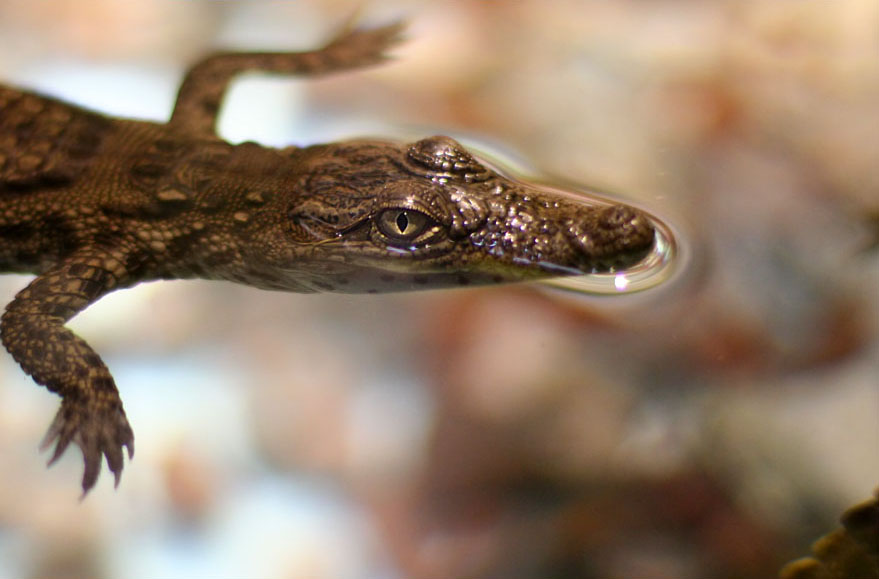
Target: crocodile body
91, 204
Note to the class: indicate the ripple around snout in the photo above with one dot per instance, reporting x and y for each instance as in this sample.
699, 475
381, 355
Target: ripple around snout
666, 258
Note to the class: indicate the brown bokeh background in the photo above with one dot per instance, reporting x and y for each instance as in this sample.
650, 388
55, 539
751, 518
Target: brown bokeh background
714, 426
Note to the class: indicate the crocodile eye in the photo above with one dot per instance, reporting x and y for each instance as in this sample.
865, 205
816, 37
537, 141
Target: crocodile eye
403, 224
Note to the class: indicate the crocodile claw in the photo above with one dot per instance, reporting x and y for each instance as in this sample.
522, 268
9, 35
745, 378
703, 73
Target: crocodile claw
98, 431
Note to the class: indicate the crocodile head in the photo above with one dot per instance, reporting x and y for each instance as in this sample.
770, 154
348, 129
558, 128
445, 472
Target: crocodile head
373, 216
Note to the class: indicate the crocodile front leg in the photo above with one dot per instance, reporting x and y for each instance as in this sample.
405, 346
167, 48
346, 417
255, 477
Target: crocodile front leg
33, 331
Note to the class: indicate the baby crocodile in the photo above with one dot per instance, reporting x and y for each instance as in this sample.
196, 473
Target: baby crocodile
91, 204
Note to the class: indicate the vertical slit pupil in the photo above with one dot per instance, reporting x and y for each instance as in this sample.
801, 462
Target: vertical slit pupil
402, 221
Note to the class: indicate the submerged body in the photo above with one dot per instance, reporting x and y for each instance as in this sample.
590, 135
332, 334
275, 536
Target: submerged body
92, 204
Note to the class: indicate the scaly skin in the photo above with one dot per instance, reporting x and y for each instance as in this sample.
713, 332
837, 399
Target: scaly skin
92, 204
848, 552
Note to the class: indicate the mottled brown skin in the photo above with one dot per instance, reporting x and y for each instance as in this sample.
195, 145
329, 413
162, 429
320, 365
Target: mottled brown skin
92, 204
850, 552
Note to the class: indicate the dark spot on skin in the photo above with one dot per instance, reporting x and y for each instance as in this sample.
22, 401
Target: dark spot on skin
166, 145
463, 280
61, 311
220, 258
211, 205
28, 256
54, 176
80, 269
80, 152
372, 291
210, 107
147, 170
106, 239
92, 359
91, 273
182, 245
133, 263
268, 277
25, 126
497, 279
91, 287
60, 228
23, 184
17, 231
104, 383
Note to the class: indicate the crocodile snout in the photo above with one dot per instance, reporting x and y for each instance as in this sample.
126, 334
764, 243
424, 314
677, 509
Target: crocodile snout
611, 237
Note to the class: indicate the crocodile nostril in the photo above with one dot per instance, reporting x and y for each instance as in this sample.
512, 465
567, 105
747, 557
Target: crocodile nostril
619, 233
631, 227
617, 216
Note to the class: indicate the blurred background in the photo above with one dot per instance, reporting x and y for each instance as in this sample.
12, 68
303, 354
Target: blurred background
714, 426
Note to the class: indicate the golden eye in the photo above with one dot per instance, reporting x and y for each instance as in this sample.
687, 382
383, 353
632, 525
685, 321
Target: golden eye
402, 224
